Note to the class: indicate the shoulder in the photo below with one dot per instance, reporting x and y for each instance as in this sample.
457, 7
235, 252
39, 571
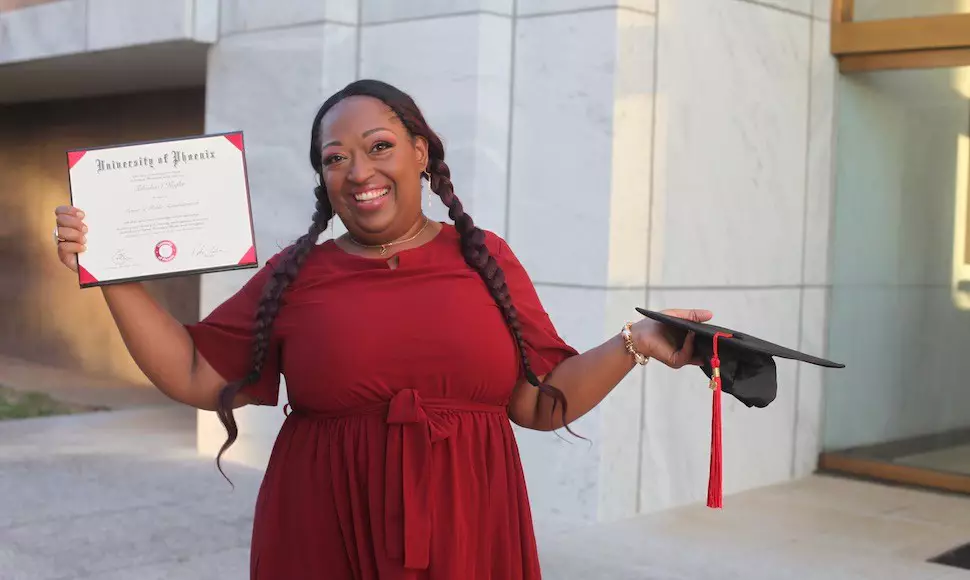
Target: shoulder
497, 247
496, 244
278, 257
270, 266
277, 261
502, 251
281, 255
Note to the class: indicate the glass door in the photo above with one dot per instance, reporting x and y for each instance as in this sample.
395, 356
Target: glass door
900, 296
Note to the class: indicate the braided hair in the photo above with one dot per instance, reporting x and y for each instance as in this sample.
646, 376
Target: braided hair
471, 240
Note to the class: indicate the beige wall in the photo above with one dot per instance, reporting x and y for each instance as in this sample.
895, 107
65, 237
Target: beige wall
45, 316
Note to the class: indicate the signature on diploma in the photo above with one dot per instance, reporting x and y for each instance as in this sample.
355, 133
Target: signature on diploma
207, 250
121, 258
168, 184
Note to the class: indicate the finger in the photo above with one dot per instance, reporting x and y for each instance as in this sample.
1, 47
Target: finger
68, 210
72, 235
669, 355
682, 355
66, 222
686, 352
693, 314
71, 247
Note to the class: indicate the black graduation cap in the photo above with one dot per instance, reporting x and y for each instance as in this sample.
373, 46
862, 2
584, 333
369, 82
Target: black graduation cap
738, 364
747, 368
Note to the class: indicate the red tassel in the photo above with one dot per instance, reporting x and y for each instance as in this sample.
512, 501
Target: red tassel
715, 481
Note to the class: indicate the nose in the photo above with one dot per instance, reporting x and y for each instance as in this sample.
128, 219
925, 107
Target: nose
360, 169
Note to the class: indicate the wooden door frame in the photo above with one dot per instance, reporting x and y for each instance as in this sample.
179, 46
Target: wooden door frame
898, 43
886, 461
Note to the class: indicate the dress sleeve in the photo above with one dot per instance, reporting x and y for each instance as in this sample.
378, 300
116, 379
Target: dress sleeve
225, 339
545, 348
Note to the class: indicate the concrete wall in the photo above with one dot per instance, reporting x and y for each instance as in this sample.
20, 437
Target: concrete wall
740, 221
77, 48
41, 30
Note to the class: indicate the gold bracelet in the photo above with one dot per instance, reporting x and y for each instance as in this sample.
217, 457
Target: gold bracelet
628, 341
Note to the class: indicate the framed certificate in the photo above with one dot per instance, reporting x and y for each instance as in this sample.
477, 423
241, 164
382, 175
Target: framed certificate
163, 208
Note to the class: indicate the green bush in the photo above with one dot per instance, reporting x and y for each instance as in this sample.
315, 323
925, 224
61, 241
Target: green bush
24, 405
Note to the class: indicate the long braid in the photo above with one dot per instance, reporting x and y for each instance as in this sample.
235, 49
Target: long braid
476, 254
269, 306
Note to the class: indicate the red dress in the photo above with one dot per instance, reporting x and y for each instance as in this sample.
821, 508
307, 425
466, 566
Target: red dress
397, 460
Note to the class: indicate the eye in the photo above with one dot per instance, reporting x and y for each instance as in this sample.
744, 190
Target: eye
381, 146
331, 159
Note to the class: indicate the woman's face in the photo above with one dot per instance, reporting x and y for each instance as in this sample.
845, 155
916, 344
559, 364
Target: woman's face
371, 169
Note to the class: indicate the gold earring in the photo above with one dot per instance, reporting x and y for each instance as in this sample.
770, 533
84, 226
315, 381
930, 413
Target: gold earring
430, 191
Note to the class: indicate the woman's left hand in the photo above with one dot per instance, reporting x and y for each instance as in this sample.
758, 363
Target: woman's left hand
658, 341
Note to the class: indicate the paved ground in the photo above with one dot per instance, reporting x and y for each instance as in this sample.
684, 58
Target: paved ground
122, 496
819, 528
118, 496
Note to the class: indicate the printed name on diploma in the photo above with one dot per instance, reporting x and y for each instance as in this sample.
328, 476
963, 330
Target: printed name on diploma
174, 159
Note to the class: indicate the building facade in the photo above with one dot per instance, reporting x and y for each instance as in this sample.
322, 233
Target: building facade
656, 153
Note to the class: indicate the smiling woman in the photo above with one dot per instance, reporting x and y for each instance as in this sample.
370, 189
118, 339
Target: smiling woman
408, 346
369, 173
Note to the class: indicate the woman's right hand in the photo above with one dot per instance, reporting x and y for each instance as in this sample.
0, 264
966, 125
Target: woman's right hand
71, 235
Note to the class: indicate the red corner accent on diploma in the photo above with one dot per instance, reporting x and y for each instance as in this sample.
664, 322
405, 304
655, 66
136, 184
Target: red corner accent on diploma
236, 139
249, 258
73, 157
85, 276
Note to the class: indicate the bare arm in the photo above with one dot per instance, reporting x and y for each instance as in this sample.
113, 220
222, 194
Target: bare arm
158, 343
586, 379
163, 349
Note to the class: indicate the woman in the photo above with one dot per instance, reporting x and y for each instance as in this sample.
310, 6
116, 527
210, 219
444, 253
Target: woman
408, 346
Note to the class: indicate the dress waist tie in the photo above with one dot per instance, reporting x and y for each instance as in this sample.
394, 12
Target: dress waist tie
414, 424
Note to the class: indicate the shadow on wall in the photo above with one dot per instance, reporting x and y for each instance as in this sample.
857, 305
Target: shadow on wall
46, 318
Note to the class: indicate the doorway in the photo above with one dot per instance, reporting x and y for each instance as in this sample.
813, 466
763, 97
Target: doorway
53, 335
899, 300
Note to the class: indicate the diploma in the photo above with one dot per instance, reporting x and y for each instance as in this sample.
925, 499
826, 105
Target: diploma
163, 208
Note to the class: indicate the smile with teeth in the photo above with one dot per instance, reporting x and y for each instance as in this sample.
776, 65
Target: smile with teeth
371, 194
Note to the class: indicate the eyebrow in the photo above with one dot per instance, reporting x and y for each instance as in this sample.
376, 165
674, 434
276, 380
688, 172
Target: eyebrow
365, 134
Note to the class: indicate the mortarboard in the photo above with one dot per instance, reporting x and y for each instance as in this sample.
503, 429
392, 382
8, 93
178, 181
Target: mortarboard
738, 364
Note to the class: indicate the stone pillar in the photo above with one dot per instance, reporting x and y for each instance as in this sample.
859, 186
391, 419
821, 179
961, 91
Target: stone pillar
273, 66
579, 220
454, 59
739, 225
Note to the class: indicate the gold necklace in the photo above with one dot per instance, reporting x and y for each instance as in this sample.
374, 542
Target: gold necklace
384, 247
